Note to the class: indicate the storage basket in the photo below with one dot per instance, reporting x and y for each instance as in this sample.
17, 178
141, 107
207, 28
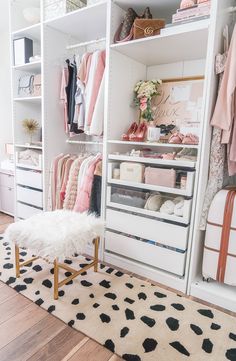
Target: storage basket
56, 8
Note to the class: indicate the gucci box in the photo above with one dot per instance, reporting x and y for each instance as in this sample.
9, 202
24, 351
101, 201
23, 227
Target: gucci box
56, 8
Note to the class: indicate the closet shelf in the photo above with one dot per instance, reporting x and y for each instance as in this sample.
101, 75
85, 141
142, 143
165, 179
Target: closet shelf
31, 167
176, 163
29, 67
28, 99
181, 192
78, 23
84, 142
149, 144
28, 146
173, 45
33, 32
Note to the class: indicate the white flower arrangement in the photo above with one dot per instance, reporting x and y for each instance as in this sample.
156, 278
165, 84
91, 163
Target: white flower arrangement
144, 92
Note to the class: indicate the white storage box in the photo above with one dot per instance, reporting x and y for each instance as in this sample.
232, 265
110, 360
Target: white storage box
24, 211
150, 229
30, 196
147, 253
219, 260
134, 201
57, 8
29, 178
26, 166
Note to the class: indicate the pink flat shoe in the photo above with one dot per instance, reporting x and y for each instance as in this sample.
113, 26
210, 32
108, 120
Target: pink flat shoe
169, 156
190, 139
176, 138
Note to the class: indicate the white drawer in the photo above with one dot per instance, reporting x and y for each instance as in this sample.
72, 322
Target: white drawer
149, 254
138, 200
30, 196
29, 178
25, 211
6, 180
149, 229
7, 200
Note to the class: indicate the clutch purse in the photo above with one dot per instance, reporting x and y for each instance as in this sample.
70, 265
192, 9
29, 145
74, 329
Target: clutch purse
147, 27
160, 177
132, 172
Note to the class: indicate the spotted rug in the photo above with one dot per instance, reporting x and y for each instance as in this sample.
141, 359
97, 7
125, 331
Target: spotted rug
136, 320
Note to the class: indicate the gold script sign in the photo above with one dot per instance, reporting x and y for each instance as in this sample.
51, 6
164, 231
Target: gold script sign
179, 103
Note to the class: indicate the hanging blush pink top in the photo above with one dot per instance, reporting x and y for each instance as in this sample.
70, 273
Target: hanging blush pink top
84, 192
96, 84
225, 109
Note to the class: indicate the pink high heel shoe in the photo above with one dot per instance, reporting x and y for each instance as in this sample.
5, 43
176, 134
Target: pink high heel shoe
132, 129
139, 135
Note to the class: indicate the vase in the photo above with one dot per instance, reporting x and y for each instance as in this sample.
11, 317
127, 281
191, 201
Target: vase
153, 133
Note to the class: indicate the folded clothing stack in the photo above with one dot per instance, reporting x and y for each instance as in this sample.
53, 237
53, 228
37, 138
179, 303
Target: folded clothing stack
29, 157
194, 11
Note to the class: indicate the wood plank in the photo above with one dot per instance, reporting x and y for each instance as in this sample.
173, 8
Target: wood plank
115, 358
59, 346
18, 324
92, 351
32, 340
13, 306
6, 293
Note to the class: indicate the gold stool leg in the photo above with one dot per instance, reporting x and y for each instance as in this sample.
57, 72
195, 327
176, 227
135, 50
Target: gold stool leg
56, 279
17, 261
96, 249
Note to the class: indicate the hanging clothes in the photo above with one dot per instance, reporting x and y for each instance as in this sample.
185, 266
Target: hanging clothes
82, 94
218, 174
225, 110
96, 191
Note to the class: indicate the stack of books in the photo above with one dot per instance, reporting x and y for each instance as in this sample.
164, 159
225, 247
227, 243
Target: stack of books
197, 11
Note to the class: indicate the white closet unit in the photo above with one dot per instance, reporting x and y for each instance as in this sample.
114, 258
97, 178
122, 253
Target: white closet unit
222, 295
165, 248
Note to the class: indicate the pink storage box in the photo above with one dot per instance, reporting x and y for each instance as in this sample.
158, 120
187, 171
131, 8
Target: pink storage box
160, 177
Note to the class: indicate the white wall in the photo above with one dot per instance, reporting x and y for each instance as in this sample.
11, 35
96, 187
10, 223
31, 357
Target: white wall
5, 80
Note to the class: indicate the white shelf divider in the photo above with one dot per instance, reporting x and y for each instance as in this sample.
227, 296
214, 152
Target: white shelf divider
29, 67
151, 144
157, 161
168, 48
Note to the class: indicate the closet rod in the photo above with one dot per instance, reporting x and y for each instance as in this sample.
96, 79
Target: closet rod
85, 43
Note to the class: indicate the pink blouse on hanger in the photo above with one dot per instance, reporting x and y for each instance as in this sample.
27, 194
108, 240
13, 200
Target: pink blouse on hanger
225, 110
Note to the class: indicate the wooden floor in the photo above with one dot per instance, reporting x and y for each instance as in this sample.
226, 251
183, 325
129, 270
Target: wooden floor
27, 332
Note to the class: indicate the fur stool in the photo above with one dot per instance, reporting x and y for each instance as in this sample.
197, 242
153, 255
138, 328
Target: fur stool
55, 236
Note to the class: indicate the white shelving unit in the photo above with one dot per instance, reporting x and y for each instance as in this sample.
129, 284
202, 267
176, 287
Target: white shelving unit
165, 248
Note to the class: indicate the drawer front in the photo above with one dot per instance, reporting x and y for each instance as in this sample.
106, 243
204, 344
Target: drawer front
149, 254
29, 178
30, 196
24, 211
149, 229
6, 180
7, 200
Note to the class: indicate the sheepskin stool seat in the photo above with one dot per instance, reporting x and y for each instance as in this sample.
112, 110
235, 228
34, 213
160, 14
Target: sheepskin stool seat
55, 236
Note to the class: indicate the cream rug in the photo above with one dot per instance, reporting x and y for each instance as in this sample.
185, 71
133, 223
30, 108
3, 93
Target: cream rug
132, 318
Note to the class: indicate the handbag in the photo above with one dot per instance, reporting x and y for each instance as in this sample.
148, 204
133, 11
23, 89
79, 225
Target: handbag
160, 177
25, 85
147, 27
125, 30
37, 85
